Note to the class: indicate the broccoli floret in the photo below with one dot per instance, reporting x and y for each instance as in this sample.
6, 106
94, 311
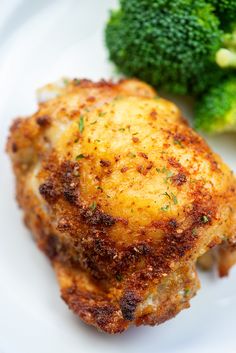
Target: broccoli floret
226, 56
216, 111
225, 10
170, 44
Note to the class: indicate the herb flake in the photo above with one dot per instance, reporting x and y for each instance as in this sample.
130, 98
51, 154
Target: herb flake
101, 114
80, 156
186, 291
165, 208
131, 155
93, 205
174, 198
204, 219
119, 277
81, 124
178, 142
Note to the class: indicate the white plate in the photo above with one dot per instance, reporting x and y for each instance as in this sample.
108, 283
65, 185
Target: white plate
40, 41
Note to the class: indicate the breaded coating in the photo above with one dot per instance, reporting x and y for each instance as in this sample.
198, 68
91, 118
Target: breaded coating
123, 197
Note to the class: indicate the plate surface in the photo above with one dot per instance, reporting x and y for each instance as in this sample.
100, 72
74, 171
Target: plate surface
41, 41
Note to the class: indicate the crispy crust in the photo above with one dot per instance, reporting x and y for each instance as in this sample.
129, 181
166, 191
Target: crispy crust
83, 186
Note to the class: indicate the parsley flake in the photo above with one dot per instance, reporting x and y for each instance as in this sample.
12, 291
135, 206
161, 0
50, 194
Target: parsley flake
186, 291
165, 208
81, 124
178, 142
204, 219
167, 194
76, 81
93, 205
132, 155
174, 198
119, 277
164, 170
80, 156
101, 114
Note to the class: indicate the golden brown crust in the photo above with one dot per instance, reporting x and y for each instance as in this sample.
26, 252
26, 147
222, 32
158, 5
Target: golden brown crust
123, 197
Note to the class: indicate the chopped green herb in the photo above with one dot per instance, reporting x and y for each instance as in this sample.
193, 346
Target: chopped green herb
80, 156
169, 174
194, 231
122, 129
132, 155
165, 208
81, 124
174, 198
101, 114
76, 81
93, 205
65, 81
178, 142
119, 277
166, 194
186, 291
205, 219
164, 170
97, 140
135, 133
94, 122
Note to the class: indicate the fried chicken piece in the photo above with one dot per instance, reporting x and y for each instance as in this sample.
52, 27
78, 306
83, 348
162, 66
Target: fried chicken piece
122, 196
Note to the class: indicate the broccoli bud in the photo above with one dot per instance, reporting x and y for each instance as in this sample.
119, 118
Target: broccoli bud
216, 111
226, 56
174, 45
225, 10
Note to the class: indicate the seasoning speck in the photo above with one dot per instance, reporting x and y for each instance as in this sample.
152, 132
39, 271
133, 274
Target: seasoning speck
93, 205
204, 219
174, 198
101, 114
81, 124
165, 208
119, 277
80, 156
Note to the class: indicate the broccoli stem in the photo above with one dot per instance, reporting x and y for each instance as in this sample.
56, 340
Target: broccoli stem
229, 40
226, 56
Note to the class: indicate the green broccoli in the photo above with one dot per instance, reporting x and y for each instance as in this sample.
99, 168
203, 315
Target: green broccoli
216, 111
226, 56
173, 45
225, 10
